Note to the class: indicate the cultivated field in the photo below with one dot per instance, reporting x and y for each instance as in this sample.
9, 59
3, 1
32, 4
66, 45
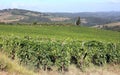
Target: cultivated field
60, 32
56, 48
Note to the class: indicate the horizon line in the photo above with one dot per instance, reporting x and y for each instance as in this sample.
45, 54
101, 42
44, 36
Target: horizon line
59, 11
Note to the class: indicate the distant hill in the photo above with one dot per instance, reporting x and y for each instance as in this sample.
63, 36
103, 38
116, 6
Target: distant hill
87, 18
93, 18
20, 15
111, 26
27, 16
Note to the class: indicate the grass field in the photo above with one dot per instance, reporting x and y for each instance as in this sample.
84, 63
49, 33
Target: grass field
60, 32
85, 44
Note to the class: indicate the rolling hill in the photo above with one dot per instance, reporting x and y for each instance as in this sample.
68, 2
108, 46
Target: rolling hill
27, 16
93, 18
19, 15
110, 26
57, 49
87, 18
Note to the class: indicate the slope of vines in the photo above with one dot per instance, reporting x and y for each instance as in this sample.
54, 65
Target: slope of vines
48, 53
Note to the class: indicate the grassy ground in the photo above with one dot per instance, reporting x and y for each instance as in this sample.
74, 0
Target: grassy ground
9, 67
61, 32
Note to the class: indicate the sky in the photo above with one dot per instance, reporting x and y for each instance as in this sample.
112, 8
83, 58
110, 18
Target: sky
62, 5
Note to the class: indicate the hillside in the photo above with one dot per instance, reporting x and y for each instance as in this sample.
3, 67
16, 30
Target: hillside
87, 18
60, 32
66, 50
110, 26
19, 15
92, 18
26, 16
50, 50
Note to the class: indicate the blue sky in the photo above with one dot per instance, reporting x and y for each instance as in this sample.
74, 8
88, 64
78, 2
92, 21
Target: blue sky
62, 5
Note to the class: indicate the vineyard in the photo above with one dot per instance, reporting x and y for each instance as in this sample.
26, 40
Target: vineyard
60, 32
47, 47
48, 53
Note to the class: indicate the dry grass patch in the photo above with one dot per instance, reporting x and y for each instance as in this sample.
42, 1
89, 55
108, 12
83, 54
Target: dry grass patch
9, 67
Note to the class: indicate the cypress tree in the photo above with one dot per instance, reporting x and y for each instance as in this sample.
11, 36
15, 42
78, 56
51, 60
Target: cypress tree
78, 21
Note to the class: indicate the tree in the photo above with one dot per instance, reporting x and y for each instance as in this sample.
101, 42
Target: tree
78, 21
34, 23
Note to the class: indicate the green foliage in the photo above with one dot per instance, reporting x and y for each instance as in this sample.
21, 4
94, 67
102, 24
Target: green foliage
34, 23
60, 32
78, 21
47, 53
47, 47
